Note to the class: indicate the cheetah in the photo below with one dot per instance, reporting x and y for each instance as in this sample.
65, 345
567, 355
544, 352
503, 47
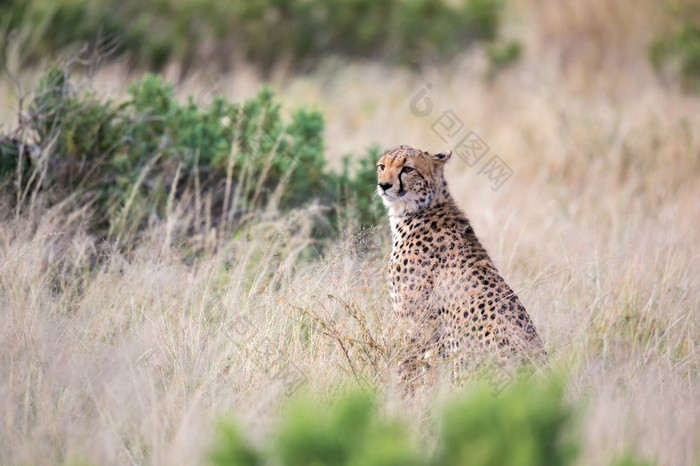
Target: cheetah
444, 287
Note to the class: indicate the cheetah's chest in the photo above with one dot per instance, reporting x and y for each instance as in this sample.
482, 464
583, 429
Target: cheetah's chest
427, 265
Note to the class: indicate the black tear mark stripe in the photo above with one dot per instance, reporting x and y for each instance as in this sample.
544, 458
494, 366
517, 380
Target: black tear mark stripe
401, 172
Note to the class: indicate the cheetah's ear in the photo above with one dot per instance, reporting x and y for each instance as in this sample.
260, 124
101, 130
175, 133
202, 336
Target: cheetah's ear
442, 157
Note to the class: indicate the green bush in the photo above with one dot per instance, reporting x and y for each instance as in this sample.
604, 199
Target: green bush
13, 152
630, 459
265, 32
126, 156
527, 424
680, 49
349, 433
502, 55
231, 448
45, 28
133, 159
356, 188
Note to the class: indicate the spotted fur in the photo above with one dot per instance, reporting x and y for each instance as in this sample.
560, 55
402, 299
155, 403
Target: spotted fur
443, 284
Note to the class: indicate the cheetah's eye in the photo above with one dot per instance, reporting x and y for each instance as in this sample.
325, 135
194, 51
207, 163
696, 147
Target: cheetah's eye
380, 167
407, 169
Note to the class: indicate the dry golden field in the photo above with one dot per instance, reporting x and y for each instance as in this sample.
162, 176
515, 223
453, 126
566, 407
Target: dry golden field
597, 229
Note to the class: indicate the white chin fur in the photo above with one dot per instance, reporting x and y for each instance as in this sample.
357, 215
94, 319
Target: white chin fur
398, 206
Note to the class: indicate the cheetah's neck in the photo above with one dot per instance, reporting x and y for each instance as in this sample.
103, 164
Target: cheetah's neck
399, 219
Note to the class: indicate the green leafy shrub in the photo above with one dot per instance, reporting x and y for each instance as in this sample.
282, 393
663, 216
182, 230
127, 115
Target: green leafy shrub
680, 49
264, 32
46, 28
349, 433
527, 424
131, 159
12, 153
630, 459
430, 27
232, 448
502, 55
356, 187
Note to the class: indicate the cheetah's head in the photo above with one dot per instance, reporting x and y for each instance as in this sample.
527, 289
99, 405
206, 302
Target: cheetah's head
409, 179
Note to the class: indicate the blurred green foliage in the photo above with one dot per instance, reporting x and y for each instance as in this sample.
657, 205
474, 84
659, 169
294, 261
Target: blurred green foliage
13, 154
348, 433
264, 32
679, 50
130, 159
356, 188
527, 424
502, 54
630, 459
232, 448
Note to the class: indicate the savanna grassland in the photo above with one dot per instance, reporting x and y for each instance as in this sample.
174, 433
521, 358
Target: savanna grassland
136, 315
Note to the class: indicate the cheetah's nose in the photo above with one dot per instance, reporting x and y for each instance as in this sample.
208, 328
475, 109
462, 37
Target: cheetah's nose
385, 185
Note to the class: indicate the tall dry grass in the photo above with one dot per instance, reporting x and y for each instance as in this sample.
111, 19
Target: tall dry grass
597, 230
